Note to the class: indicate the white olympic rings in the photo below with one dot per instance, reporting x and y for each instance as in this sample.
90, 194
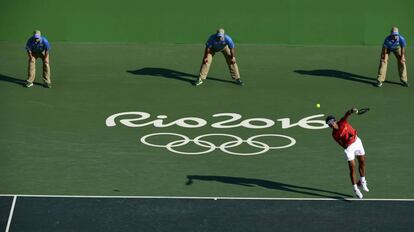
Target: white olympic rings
224, 147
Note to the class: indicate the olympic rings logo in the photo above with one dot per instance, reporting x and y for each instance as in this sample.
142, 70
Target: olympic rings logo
224, 147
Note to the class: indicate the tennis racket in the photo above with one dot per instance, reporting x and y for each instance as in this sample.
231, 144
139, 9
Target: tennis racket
362, 111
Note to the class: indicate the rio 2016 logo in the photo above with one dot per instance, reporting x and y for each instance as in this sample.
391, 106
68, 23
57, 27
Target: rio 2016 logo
229, 120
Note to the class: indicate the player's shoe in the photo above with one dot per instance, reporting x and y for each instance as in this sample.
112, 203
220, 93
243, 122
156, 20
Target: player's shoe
405, 84
378, 84
29, 84
364, 185
239, 82
358, 193
198, 82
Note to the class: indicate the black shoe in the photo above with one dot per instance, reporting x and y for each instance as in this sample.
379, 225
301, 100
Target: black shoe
405, 84
379, 84
239, 82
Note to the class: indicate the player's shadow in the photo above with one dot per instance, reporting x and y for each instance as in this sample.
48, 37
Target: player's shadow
172, 74
251, 182
15, 80
341, 75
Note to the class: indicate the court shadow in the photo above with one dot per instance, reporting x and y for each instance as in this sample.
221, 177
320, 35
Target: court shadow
15, 80
341, 75
251, 182
172, 74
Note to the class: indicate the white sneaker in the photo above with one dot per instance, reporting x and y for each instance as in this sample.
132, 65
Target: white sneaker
29, 84
198, 82
358, 193
364, 185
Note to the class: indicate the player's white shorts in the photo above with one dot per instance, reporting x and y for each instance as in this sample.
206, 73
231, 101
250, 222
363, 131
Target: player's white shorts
355, 149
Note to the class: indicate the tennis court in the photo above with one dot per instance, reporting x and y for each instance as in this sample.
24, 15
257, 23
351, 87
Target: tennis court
124, 141
59, 141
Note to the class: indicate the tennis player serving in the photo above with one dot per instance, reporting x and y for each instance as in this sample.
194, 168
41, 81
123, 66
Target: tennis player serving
346, 136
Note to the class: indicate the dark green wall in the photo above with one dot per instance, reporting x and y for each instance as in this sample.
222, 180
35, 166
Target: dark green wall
325, 22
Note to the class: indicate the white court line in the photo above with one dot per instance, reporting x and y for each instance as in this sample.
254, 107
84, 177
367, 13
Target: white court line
11, 213
208, 198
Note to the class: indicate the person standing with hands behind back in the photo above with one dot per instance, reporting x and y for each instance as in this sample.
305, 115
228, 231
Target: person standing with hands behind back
37, 46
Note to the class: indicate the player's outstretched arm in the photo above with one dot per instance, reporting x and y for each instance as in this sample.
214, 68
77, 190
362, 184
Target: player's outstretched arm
353, 110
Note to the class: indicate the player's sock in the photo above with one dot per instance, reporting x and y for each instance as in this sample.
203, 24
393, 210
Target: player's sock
355, 186
363, 179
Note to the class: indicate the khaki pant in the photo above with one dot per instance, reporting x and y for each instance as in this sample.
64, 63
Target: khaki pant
234, 69
402, 68
32, 68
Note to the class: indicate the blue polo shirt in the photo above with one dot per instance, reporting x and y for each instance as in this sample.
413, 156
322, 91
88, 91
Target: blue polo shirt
393, 45
218, 45
39, 47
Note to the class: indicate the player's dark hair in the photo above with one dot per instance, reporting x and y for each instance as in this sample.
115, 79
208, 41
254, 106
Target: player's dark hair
329, 118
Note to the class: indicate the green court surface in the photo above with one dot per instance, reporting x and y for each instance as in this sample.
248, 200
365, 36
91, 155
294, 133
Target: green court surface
57, 141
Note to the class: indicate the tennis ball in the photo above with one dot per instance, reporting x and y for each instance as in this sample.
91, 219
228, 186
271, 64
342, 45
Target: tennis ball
318, 105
